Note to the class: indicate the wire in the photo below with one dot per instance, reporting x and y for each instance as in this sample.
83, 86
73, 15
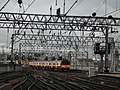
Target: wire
56, 2
28, 6
106, 11
77, 5
117, 12
71, 7
116, 4
100, 6
117, 38
113, 12
105, 7
4, 5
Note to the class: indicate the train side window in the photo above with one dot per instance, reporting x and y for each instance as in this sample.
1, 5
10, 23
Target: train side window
53, 63
49, 63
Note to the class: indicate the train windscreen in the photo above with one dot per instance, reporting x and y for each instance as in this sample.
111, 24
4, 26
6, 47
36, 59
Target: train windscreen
65, 62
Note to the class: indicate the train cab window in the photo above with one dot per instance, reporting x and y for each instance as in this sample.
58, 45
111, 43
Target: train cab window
65, 62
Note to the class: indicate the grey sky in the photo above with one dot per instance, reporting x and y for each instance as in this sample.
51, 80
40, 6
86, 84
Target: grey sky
86, 7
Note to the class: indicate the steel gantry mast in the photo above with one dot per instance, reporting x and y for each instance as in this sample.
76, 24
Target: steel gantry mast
54, 22
59, 22
66, 39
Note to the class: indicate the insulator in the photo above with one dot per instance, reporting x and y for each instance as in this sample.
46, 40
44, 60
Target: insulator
19, 1
58, 11
94, 14
110, 17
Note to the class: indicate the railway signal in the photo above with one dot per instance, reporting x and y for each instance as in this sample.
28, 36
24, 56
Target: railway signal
101, 49
97, 48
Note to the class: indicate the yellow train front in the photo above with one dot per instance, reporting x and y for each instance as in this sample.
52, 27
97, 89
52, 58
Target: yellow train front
59, 65
65, 65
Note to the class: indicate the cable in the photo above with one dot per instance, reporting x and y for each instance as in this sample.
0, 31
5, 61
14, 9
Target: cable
116, 4
71, 7
77, 5
4, 5
105, 7
117, 12
117, 38
100, 6
113, 12
28, 6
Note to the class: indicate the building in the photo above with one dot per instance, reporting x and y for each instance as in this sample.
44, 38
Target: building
84, 64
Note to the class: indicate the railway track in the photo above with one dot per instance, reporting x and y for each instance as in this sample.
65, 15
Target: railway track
74, 85
85, 83
48, 80
107, 80
10, 76
93, 85
61, 84
32, 83
27, 84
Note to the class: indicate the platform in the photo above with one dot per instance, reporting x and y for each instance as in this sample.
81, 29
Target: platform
117, 74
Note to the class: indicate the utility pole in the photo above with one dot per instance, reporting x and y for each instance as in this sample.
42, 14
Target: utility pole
106, 50
3, 50
112, 55
101, 63
12, 53
20, 49
4, 59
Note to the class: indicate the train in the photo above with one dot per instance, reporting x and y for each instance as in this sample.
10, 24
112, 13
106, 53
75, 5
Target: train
59, 65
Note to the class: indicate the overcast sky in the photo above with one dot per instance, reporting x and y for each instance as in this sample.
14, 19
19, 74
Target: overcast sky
82, 7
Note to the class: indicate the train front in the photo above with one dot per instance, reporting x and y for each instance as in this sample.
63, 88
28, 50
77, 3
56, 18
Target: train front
65, 65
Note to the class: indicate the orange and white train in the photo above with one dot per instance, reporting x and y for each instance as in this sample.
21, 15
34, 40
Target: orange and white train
62, 65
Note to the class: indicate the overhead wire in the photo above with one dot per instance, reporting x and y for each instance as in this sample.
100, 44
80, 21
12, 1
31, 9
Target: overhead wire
4, 5
24, 10
100, 6
117, 10
76, 5
105, 7
28, 6
71, 7
1, 10
113, 12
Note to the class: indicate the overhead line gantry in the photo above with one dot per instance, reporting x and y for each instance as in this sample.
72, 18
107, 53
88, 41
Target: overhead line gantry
60, 22
55, 22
